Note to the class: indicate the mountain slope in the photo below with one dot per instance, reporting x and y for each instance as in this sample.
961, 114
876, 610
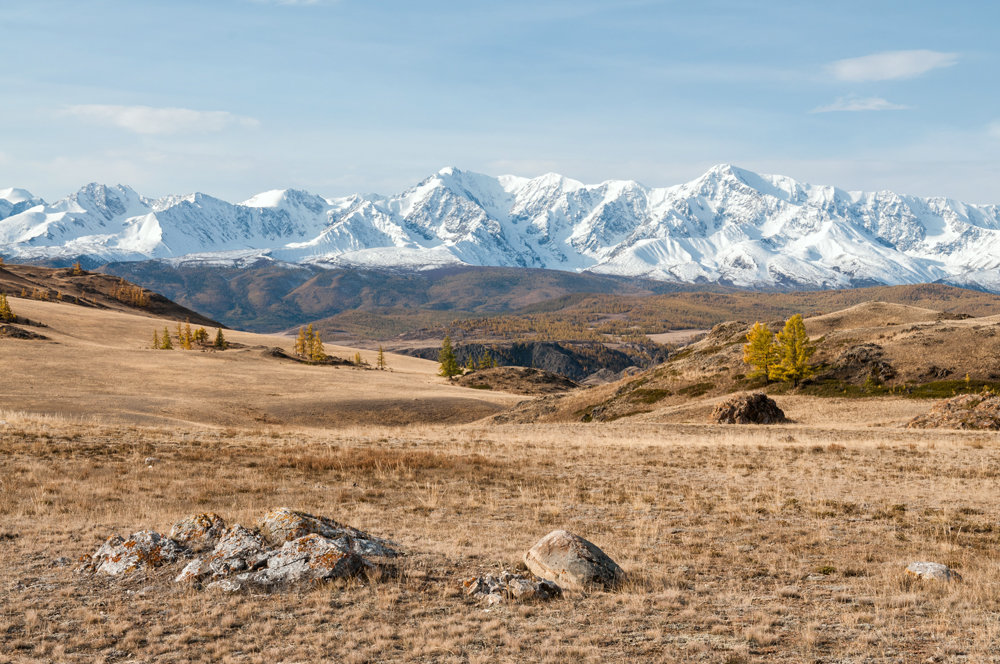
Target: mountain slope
729, 226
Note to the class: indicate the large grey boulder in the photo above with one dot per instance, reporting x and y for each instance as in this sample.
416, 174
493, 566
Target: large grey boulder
572, 562
284, 525
142, 550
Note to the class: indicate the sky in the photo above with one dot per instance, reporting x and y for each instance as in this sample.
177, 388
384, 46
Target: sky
234, 97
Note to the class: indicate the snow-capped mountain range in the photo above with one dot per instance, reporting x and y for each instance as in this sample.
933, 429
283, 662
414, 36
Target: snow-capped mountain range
730, 226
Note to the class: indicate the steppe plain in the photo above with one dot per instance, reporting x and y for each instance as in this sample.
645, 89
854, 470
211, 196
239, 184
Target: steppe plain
779, 543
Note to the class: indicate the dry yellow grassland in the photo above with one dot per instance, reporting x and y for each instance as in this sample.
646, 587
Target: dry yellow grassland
782, 543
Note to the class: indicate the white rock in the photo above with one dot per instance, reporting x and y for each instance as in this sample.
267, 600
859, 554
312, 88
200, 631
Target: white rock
936, 571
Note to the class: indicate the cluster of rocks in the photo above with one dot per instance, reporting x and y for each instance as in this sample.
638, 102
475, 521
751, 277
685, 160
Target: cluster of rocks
286, 547
968, 411
510, 587
863, 362
754, 408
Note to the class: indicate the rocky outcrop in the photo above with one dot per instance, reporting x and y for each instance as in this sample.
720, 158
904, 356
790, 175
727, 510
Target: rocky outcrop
863, 362
572, 562
510, 587
142, 550
756, 408
935, 571
968, 411
289, 548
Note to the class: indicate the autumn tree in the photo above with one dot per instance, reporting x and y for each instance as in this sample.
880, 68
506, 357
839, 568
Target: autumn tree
486, 361
6, 314
156, 340
470, 364
380, 360
446, 357
220, 340
201, 336
760, 351
300, 343
794, 352
77, 269
316, 351
165, 344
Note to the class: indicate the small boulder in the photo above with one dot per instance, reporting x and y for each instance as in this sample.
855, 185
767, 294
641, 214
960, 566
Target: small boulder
142, 550
198, 532
755, 408
936, 571
572, 562
284, 525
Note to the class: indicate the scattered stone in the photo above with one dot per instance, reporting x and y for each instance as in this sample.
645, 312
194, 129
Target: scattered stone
936, 571
968, 411
283, 525
755, 408
198, 532
142, 550
150, 461
507, 586
572, 562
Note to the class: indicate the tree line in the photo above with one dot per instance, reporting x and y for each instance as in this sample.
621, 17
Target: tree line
187, 339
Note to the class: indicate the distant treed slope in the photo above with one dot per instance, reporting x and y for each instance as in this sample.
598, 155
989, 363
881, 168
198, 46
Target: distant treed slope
269, 296
729, 226
91, 289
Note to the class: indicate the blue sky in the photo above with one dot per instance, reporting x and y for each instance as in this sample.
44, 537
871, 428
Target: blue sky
231, 97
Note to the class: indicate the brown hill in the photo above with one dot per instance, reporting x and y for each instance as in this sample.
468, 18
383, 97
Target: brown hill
869, 349
90, 289
97, 363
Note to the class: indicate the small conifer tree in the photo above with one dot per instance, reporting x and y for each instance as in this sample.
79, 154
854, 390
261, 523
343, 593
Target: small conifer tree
446, 357
220, 341
486, 361
760, 351
156, 340
77, 269
165, 344
380, 360
6, 314
794, 351
316, 351
357, 359
300, 343
201, 336
470, 364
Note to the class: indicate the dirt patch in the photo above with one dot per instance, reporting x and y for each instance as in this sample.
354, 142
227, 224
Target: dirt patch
518, 380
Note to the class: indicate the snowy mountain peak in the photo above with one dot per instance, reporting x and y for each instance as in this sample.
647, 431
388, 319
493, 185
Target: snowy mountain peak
729, 225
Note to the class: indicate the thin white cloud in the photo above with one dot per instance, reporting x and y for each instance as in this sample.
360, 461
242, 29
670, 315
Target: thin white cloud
859, 104
150, 120
891, 65
994, 129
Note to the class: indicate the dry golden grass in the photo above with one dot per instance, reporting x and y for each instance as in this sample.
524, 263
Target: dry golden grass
783, 543
742, 544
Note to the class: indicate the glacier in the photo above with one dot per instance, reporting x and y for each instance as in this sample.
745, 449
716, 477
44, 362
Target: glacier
729, 226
